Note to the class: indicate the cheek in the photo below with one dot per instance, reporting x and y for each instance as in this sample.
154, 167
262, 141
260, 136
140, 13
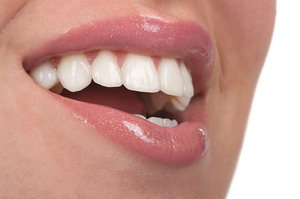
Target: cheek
8, 8
251, 21
242, 32
247, 22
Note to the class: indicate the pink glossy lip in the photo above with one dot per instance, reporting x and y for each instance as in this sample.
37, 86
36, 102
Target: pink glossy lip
183, 144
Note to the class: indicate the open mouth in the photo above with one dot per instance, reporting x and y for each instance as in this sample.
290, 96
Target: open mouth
162, 86
156, 98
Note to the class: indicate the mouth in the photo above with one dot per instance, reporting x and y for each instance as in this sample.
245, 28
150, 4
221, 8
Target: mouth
142, 82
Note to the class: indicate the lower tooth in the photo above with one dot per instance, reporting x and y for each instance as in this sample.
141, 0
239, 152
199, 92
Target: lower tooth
159, 121
156, 120
163, 122
170, 123
140, 116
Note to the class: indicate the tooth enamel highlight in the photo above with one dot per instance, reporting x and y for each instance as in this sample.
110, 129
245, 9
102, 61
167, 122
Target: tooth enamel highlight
74, 72
188, 89
139, 74
105, 70
45, 75
170, 77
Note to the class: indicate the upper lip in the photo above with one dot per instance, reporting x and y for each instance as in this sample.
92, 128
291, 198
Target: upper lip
144, 35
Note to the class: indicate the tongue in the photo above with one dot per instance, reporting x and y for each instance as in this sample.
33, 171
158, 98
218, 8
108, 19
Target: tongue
118, 98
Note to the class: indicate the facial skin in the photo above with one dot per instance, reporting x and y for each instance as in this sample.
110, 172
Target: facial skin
45, 154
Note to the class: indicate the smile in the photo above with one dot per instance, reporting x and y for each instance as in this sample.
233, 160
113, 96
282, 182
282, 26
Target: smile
140, 81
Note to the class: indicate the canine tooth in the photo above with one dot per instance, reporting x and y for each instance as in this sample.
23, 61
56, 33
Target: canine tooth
105, 70
170, 77
188, 89
139, 74
45, 75
140, 116
74, 72
180, 103
154, 102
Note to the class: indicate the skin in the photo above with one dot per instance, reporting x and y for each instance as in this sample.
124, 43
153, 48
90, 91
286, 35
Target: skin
45, 154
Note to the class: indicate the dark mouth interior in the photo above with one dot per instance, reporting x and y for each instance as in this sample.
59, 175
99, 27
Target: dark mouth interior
119, 98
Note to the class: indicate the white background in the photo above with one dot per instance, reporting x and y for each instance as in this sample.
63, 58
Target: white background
269, 165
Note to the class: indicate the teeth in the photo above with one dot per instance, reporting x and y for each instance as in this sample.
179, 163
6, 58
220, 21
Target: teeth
188, 89
139, 74
170, 77
156, 120
170, 123
45, 75
140, 116
159, 121
163, 122
105, 70
74, 72
168, 87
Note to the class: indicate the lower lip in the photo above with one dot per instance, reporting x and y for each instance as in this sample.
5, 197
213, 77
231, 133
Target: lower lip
184, 144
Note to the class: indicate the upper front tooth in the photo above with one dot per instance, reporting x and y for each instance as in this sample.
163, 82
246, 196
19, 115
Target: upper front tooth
105, 70
139, 74
170, 77
45, 75
188, 89
74, 72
